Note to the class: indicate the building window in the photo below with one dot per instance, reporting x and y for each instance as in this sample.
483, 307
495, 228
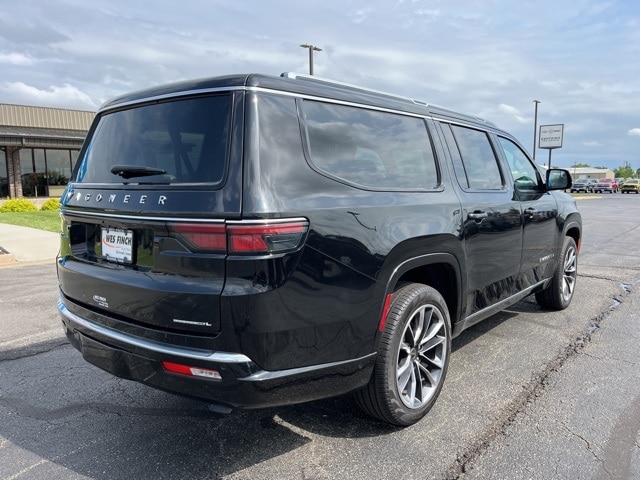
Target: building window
4, 174
58, 166
45, 172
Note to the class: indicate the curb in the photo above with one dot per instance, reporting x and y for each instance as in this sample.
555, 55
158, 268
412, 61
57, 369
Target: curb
6, 258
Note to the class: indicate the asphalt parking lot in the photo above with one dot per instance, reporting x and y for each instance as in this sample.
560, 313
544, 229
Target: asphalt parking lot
529, 394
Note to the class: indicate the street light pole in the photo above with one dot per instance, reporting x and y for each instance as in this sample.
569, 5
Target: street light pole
535, 129
311, 48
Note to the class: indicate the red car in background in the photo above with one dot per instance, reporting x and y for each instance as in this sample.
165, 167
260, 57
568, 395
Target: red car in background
605, 185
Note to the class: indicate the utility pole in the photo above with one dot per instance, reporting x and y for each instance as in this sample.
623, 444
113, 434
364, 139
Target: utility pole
535, 129
312, 48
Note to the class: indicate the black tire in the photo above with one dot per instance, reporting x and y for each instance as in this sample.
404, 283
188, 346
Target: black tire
412, 360
559, 292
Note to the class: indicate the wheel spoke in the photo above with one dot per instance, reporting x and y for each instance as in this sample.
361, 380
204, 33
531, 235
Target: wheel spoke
418, 321
436, 360
411, 390
568, 286
428, 375
404, 373
570, 261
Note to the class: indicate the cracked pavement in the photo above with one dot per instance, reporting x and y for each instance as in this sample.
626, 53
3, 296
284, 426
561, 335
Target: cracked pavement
586, 423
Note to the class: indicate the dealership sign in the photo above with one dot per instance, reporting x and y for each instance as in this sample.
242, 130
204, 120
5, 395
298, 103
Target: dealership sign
551, 136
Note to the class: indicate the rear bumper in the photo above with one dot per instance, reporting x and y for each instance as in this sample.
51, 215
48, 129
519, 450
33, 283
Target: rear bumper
242, 382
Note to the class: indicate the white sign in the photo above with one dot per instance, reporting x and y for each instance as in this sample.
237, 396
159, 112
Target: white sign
117, 245
551, 136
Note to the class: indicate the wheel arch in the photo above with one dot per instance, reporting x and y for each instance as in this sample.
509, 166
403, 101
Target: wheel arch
441, 271
573, 229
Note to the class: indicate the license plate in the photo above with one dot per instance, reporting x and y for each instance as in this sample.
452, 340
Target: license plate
117, 245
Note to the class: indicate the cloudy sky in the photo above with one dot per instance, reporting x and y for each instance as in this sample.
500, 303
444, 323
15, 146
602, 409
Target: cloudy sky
490, 58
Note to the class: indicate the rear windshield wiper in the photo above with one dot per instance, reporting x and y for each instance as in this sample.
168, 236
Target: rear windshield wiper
130, 171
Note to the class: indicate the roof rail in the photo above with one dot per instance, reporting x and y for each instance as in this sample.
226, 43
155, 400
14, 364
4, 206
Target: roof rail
432, 109
327, 81
453, 114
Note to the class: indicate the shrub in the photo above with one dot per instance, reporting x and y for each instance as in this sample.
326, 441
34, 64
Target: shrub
17, 205
51, 204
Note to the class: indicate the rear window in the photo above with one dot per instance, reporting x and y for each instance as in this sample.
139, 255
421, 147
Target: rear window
174, 142
373, 149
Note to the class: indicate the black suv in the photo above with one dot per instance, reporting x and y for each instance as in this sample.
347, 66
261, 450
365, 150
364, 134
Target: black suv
256, 241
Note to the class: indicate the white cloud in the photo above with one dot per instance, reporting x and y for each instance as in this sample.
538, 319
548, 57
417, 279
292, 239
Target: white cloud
634, 132
66, 96
514, 113
15, 58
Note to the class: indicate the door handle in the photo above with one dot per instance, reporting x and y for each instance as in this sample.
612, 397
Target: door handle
477, 216
530, 212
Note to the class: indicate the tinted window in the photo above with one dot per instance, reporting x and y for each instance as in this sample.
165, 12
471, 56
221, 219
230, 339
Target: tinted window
525, 175
187, 139
479, 165
370, 148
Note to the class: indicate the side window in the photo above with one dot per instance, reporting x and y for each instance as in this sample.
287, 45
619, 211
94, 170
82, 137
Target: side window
478, 159
525, 175
370, 148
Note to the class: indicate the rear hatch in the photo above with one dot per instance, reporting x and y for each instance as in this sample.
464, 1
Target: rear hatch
144, 216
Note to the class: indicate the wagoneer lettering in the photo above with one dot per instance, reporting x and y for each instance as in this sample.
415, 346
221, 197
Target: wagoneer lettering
272, 240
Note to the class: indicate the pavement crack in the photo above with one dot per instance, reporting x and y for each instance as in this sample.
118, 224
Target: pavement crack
533, 389
585, 441
33, 350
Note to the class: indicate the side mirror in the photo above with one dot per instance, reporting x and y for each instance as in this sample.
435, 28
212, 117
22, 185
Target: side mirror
558, 179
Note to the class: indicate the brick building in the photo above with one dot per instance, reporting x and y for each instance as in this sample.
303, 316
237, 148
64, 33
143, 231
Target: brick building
38, 149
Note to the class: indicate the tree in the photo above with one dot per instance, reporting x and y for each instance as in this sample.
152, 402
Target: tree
581, 165
624, 171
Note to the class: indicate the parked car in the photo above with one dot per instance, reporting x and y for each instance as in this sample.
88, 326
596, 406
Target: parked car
256, 241
580, 185
631, 185
606, 185
591, 184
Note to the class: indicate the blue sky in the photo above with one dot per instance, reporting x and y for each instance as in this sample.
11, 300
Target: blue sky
490, 58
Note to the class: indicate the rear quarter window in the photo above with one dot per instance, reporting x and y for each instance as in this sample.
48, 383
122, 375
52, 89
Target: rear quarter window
369, 148
188, 139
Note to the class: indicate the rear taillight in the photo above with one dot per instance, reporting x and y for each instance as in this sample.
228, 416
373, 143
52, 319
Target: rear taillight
243, 238
264, 238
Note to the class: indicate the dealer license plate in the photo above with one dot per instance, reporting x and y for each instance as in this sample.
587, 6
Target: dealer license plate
117, 245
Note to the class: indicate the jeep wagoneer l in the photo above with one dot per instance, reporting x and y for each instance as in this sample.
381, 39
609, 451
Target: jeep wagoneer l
254, 241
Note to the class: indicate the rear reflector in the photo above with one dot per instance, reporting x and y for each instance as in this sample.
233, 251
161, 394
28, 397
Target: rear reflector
385, 312
191, 371
242, 238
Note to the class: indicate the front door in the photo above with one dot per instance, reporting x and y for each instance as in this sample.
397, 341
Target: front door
541, 229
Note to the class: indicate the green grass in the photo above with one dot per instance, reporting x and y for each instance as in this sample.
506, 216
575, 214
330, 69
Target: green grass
43, 220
